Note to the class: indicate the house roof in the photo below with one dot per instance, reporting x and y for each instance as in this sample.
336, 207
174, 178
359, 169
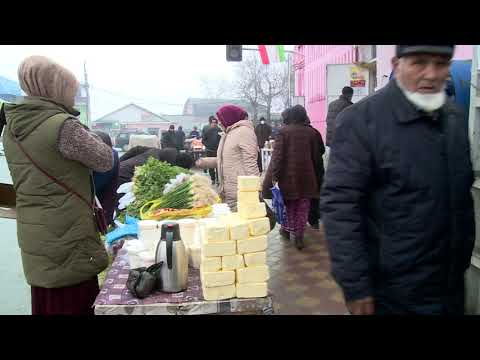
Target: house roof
187, 121
210, 105
129, 105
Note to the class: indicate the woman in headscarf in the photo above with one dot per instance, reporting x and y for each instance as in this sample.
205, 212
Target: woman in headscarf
237, 152
51, 156
295, 164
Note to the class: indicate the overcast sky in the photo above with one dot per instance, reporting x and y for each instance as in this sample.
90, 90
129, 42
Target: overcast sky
157, 77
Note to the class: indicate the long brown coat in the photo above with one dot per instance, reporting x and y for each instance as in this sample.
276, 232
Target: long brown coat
295, 160
236, 156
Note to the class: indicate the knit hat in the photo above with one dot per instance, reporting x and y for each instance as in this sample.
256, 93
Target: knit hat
403, 50
230, 114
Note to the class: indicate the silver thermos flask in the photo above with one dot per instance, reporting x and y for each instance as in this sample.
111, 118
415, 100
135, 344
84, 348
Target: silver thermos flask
172, 252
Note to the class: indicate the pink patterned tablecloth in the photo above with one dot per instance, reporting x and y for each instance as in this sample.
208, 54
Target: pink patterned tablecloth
115, 298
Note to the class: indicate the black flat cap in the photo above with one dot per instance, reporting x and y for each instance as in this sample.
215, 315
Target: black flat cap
403, 50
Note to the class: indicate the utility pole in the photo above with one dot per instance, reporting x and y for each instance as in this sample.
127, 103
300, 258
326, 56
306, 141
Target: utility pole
87, 93
289, 81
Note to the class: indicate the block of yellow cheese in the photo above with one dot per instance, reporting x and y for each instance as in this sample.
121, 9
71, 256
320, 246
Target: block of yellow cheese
252, 211
217, 278
259, 226
219, 249
248, 183
252, 290
253, 274
215, 232
238, 229
211, 263
252, 245
248, 197
255, 259
227, 218
232, 262
219, 292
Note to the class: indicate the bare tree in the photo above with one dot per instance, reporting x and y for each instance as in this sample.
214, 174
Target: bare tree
262, 84
273, 85
248, 80
215, 88
258, 84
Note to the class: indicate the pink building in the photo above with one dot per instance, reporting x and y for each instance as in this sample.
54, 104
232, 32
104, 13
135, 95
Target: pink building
310, 62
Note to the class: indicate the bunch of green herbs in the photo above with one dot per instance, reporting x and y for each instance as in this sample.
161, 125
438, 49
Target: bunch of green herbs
149, 182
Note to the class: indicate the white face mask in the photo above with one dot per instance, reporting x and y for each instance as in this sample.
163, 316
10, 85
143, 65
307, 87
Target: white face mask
426, 102
262, 122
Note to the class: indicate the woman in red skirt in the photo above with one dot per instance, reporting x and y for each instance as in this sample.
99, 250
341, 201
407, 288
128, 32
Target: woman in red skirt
296, 159
50, 155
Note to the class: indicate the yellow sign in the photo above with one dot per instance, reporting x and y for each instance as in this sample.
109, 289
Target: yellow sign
356, 73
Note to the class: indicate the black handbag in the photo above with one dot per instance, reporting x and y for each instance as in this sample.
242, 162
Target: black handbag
271, 217
143, 281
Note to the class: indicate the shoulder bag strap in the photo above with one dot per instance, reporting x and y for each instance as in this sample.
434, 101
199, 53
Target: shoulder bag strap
3, 119
63, 185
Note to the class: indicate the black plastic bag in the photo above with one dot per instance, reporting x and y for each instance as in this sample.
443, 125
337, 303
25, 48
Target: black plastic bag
143, 281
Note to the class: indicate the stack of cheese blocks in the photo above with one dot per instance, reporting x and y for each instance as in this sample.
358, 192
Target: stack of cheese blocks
234, 258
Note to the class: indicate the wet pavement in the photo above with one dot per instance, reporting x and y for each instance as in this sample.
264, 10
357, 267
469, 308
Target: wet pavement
299, 279
15, 293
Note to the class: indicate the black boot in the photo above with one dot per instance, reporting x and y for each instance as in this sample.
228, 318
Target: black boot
298, 240
315, 225
284, 234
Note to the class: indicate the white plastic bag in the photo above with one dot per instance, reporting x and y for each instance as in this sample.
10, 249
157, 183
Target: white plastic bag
125, 188
126, 200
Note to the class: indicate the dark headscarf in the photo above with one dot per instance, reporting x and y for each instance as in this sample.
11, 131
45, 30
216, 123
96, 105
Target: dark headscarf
231, 114
295, 115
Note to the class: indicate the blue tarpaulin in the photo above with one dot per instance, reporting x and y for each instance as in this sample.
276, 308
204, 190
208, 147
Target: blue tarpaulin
9, 87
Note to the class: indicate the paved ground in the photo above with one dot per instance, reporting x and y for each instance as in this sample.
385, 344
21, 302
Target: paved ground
300, 280
15, 293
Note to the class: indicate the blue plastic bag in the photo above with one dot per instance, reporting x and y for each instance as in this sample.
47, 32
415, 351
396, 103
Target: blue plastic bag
129, 229
278, 205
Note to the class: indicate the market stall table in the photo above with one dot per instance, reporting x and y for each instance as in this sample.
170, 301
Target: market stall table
115, 299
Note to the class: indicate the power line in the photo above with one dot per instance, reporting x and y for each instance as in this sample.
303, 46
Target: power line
148, 101
137, 99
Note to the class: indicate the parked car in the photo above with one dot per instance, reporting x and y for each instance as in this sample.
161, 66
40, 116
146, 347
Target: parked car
123, 139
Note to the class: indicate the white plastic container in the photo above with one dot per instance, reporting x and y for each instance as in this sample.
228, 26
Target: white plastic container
134, 249
194, 256
201, 227
147, 258
149, 233
219, 210
188, 228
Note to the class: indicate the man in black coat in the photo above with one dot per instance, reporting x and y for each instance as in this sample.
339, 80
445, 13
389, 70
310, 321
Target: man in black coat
211, 140
335, 108
396, 203
180, 138
207, 127
314, 213
263, 131
169, 140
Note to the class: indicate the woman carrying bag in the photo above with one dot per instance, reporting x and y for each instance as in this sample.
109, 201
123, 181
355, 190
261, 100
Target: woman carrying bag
51, 155
295, 161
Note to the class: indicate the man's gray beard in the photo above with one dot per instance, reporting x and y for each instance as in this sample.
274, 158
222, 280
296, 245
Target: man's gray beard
426, 102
